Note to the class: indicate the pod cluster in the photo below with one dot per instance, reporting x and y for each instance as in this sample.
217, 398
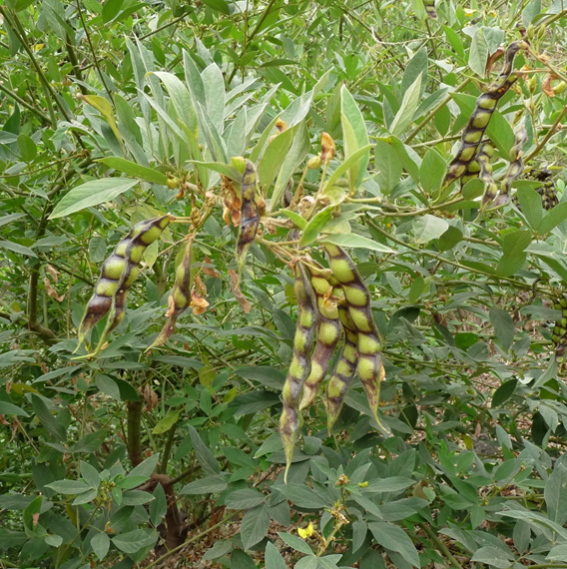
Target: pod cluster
180, 297
480, 118
559, 336
118, 274
249, 213
330, 304
546, 190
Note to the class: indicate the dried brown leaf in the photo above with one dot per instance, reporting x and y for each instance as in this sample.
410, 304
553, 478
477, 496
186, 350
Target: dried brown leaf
235, 287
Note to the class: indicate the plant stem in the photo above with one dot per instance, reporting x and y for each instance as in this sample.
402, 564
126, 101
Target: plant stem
25, 104
440, 545
135, 432
75, 63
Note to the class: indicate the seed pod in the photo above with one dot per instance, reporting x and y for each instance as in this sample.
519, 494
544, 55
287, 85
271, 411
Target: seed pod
180, 297
478, 122
299, 368
344, 371
118, 273
370, 369
429, 6
328, 336
559, 336
249, 214
484, 157
473, 170
516, 166
547, 190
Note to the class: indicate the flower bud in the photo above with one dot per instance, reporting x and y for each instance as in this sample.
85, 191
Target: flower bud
314, 163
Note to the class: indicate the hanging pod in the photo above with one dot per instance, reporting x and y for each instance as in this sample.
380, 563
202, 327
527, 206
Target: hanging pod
516, 167
328, 335
118, 274
429, 6
249, 213
370, 368
344, 371
180, 297
299, 368
484, 109
484, 159
559, 336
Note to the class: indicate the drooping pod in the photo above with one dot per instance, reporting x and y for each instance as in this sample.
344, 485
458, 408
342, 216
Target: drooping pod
515, 168
180, 297
484, 159
345, 369
559, 336
484, 109
370, 368
429, 6
299, 368
473, 170
249, 213
328, 335
118, 274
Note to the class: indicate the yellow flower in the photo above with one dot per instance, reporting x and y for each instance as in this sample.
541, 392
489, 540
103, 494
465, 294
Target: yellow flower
307, 532
468, 12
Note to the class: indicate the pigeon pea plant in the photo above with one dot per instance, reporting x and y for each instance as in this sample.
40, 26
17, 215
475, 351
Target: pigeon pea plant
343, 252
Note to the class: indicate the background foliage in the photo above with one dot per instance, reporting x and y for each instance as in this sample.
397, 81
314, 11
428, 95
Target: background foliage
142, 105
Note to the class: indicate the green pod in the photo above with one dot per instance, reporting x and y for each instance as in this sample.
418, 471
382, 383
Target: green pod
249, 214
559, 336
299, 368
118, 273
471, 173
370, 368
180, 297
430, 10
480, 118
345, 369
328, 336
515, 168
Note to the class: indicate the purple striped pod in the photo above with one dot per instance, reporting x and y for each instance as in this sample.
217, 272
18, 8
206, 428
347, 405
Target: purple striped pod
180, 297
369, 367
480, 118
118, 274
328, 335
345, 368
299, 367
249, 213
430, 9
484, 159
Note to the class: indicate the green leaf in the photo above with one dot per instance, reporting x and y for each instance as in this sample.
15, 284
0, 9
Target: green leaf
530, 12
221, 168
69, 486
54, 540
409, 105
302, 496
295, 542
273, 558
241, 560
209, 485
316, 225
274, 157
553, 218
135, 170
107, 385
428, 227
344, 166
219, 549
532, 208
555, 494
167, 422
293, 159
295, 217
388, 165
55, 428
91, 194
111, 9
504, 392
7, 408
450, 238
205, 457
432, 170
101, 544
244, 499
218, 6
358, 241
254, 526
491, 555
503, 326
394, 538
147, 467
90, 474
478, 53
27, 148
97, 249
17, 248
409, 159
417, 66
355, 136
133, 541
